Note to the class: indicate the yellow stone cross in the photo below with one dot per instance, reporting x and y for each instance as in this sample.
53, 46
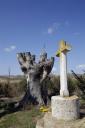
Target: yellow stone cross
62, 53
64, 47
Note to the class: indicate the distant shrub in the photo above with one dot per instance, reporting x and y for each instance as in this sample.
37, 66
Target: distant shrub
72, 86
49, 87
52, 86
12, 88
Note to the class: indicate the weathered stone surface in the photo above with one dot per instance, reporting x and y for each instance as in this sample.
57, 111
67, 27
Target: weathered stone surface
49, 122
40, 123
65, 108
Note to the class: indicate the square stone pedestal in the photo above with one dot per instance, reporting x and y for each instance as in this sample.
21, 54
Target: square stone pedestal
65, 108
65, 111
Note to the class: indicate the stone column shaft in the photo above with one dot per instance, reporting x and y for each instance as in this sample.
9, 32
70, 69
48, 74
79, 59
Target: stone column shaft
63, 74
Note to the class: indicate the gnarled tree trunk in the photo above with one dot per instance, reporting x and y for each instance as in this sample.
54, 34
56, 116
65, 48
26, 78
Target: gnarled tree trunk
35, 74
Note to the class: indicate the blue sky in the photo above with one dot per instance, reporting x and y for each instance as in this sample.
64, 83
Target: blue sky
26, 25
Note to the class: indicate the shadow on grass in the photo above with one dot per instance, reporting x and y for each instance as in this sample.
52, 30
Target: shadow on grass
8, 108
12, 107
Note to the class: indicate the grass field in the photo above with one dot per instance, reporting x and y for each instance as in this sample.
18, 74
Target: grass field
11, 91
21, 119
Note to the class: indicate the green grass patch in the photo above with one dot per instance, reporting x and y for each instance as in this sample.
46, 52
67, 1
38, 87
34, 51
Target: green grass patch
21, 119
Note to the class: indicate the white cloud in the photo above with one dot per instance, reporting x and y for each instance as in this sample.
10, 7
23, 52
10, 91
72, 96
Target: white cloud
50, 30
6, 49
10, 48
56, 26
13, 47
53, 29
81, 66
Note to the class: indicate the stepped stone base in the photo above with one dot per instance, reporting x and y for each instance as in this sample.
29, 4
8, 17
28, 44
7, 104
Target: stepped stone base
65, 114
49, 122
65, 108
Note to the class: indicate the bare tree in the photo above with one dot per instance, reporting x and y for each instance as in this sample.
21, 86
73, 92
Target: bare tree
36, 73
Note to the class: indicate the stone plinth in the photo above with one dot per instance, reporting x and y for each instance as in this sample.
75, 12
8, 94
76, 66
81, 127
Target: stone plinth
49, 122
65, 108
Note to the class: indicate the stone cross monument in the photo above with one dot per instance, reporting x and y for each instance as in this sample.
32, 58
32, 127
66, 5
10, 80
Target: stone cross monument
64, 107
62, 53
